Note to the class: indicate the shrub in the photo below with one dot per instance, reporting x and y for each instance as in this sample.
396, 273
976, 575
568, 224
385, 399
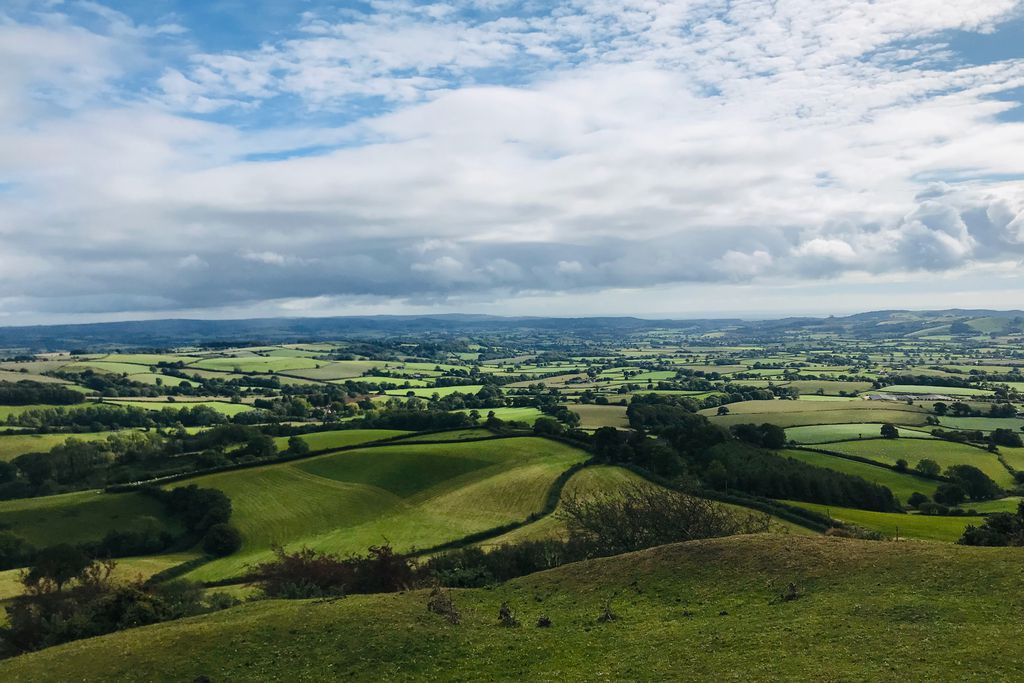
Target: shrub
916, 499
440, 602
308, 573
644, 516
999, 529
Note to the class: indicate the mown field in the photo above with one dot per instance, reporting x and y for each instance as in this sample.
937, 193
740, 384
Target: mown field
707, 610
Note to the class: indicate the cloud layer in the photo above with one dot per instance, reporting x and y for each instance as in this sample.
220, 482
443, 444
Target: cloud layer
488, 151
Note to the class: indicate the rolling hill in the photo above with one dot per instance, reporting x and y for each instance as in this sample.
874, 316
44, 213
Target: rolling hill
705, 610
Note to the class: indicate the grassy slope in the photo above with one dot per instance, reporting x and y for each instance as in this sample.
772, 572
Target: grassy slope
812, 434
79, 517
706, 610
902, 485
340, 438
594, 480
593, 416
127, 569
920, 527
13, 445
454, 435
411, 495
945, 453
797, 413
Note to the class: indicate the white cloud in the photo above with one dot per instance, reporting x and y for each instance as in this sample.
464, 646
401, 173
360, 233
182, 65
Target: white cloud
654, 142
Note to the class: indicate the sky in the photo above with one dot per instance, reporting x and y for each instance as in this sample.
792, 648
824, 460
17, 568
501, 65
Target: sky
657, 158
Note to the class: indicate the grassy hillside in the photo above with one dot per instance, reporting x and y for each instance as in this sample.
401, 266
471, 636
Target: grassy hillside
599, 479
413, 495
82, 516
707, 610
945, 453
127, 569
902, 485
812, 434
798, 413
340, 438
13, 445
889, 524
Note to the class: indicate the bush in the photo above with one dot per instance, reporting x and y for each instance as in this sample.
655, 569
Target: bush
999, 529
916, 499
308, 573
221, 540
644, 516
48, 614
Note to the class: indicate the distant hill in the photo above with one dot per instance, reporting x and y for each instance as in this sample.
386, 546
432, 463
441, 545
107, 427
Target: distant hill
176, 332
705, 610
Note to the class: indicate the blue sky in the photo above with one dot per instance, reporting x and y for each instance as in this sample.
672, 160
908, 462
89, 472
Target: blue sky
645, 157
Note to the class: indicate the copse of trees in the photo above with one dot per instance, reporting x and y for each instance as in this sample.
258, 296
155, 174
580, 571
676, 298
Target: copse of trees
764, 435
27, 392
702, 452
107, 416
760, 473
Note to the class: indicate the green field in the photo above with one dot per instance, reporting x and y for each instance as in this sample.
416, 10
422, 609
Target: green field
257, 364
411, 495
945, 453
913, 526
528, 415
440, 391
985, 424
902, 485
127, 569
13, 445
706, 610
799, 413
812, 434
82, 516
925, 389
340, 438
224, 407
593, 416
454, 435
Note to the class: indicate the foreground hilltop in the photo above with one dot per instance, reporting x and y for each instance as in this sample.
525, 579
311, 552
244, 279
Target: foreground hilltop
706, 610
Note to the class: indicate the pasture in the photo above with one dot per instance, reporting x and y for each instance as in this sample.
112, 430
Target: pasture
411, 495
82, 516
889, 524
902, 485
945, 453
